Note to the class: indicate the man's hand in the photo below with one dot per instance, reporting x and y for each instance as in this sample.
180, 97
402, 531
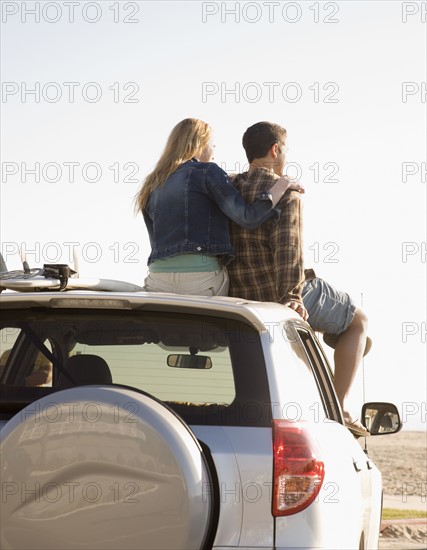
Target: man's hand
299, 308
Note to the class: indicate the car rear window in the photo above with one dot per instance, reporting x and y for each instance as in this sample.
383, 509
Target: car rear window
208, 369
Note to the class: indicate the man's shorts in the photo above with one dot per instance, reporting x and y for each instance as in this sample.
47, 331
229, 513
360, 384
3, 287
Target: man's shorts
329, 310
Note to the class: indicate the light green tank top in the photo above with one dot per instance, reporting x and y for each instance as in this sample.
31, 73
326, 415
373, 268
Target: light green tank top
185, 263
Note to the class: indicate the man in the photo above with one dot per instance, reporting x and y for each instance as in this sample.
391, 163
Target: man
268, 264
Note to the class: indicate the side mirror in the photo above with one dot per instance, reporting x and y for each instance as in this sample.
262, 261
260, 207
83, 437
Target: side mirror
189, 361
381, 418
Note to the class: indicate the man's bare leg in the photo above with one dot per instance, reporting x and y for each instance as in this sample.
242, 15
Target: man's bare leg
348, 356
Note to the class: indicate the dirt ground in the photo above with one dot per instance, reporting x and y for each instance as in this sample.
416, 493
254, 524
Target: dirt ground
402, 459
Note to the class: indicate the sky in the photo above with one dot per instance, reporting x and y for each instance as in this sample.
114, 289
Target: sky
91, 90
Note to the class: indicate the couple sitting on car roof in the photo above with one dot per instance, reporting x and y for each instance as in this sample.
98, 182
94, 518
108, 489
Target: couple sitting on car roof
187, 202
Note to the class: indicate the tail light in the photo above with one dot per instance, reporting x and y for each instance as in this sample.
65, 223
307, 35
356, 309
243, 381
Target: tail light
297, 471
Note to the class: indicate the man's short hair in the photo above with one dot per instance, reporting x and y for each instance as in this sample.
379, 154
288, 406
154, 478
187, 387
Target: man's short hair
258, 139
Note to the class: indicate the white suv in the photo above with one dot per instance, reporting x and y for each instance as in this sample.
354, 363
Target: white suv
176, 422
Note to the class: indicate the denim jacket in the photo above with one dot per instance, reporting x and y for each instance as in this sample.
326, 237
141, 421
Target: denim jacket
189, 213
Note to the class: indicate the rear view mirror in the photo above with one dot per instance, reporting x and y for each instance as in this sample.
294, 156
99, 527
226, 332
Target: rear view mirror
381, 418
189, 361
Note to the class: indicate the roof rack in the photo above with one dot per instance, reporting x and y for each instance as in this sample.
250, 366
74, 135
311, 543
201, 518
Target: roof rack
56, 277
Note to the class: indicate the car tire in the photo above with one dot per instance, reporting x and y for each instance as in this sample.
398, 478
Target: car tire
103, 467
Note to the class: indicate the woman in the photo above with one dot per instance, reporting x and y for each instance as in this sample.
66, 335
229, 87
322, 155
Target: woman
186, 202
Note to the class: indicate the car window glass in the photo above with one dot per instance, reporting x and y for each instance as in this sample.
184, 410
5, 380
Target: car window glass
41, 371
303, 399
21, 363
8, 337
210, 370
322, 375
145, 366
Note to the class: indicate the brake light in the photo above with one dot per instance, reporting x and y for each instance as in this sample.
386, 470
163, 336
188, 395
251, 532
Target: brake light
297, 471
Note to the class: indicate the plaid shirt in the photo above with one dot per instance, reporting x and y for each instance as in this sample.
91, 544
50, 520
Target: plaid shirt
268, 264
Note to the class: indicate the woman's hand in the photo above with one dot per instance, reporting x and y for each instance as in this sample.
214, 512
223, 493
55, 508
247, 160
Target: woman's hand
295, 185
281, 186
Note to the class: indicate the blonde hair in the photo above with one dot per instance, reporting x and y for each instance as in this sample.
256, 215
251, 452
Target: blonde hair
187, 140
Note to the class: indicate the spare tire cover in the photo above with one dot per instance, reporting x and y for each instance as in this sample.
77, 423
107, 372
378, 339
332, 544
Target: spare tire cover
102, 467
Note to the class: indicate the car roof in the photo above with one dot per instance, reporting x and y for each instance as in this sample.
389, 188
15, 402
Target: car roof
260, 315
